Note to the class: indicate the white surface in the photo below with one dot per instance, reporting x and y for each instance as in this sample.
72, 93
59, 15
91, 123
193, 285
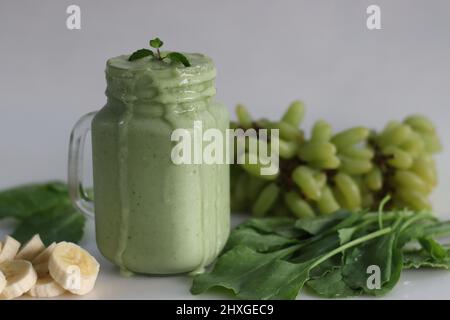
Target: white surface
414, 284
267, 54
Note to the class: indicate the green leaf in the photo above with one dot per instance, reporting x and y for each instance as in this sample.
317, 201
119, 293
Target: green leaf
326, 266
436, 251
379, 252
156, 43
317, 248
319, 224
60, 223
331, 285
24, 201
281, 226
423, 259
346, 234
250, 275
257, 241
139, 54
178, 57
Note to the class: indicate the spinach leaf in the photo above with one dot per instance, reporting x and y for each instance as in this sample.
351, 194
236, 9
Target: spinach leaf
346, 234
331, 285
319, 224
257, 241
247, 273
44, 209
316, 248
423, 259
435, 249
281, 226
378, 252
24, 201
60, 223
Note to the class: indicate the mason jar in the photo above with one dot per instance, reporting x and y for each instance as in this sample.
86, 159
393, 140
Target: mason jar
153, 215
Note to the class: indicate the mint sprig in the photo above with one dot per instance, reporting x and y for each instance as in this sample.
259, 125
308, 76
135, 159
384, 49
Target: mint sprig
157, 44
141, 53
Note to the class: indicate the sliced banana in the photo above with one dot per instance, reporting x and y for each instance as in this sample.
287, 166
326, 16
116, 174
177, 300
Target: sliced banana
46, 287
73, 268
10, 248
31, 249
20, 277
2, 281
40, 263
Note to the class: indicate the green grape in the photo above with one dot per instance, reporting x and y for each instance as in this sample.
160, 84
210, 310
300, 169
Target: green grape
321, 132
367, 200
355, 166
410, 180
321, 179
413, 199
432, 143
327, 203
391, 125
303, 177
357, 153
247, 162
399, 159
349, 189
420, 123
312, 151
350, 137
243, 116
294, 114
424, 169
266, 200
287, 149
406, 147
287, 131
414, 145
396, 135
374, 179
299, 207
330, 163
340, 199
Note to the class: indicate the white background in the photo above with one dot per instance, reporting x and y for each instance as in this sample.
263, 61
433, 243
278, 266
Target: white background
267, 53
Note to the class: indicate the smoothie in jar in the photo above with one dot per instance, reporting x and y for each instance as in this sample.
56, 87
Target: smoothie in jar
153, 216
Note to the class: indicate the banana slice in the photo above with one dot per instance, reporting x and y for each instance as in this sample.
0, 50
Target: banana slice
20, 277
46, 287
31, 249
10, 248
40, 263
2, 281
73, 268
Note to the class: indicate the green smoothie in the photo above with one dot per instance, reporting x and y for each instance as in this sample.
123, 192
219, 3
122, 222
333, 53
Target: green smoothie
153, 216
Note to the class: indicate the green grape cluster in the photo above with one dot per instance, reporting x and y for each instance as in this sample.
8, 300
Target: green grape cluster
352, 169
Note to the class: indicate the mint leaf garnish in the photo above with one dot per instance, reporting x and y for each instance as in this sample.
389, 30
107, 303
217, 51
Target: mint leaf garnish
176, 56
141, 53
157, 43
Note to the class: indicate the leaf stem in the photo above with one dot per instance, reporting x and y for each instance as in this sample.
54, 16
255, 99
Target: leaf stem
381, 209
158, 54
350, 244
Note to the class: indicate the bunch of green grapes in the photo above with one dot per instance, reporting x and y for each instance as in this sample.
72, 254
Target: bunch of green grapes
352, 169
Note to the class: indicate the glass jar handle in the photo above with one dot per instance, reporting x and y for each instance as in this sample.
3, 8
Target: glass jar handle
75, 175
